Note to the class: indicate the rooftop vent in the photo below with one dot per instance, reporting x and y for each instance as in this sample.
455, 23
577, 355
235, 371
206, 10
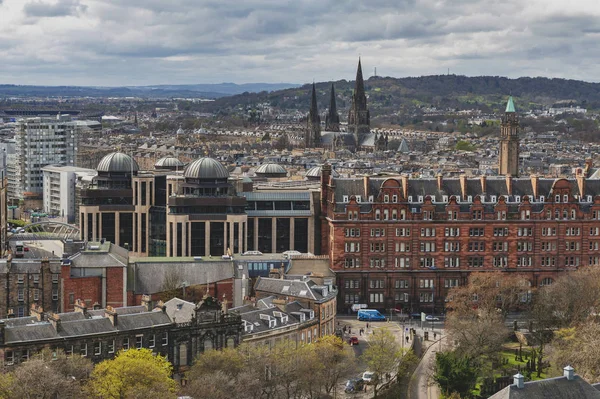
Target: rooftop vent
569, 372
519, 380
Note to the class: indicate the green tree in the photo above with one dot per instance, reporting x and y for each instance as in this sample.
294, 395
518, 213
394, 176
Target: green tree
132, 374
455, 373
336, 359
381, 355
464, 146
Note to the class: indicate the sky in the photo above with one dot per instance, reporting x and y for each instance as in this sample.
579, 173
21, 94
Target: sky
148, 42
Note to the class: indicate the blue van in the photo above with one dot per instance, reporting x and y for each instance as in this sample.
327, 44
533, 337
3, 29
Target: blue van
370, 315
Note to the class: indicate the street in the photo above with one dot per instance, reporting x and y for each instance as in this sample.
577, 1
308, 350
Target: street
40, 249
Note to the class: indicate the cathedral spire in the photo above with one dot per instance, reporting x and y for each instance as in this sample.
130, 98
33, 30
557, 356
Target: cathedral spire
358, 117
332, 119
509, 141
359, 89
312, 138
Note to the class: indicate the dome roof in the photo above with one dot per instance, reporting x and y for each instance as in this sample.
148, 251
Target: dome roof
315, 172
168, 162
206, 168
271, 169
117, 162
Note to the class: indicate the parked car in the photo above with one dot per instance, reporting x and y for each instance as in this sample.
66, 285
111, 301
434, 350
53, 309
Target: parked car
353, 341
26, 249
369, 377
354, 385
432, 318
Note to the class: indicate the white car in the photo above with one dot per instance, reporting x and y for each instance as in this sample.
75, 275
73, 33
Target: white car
432, 318
369, 377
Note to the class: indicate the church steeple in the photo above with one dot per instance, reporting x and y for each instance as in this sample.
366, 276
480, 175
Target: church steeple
312, 138
509, 141
332, 119
358, 117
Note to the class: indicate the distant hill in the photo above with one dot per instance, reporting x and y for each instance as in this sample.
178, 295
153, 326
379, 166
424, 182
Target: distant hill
159, 91
388, 95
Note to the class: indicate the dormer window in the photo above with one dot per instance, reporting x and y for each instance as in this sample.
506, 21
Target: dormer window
444, 198
377, 214
394, 199
358, 198
566, 198
493, 198
410, 198
386, 198
345, 198
517, 198
420, 198
394, 214
386, 214
589, 198
557, 198
542, 199
370, 198
470, 198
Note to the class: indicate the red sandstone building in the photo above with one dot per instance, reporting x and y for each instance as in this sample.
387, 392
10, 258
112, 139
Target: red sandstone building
396, 242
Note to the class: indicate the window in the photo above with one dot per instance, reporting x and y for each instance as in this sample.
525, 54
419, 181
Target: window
55, 294
376, 283
151, 341
452, 231
524, 246
165, 339
403, 232
500, 231
20, 294
351, 262
402, 246
377, 262
425, 297
139, 341
69, 350
36, 294
402, 284
394, 198
451, 261
20, 278
427, 246
9, 357
524, 261
352, 283
477, 214
402, 262
500, 261
428, 232
125, 344
450, 282
476, 232
83, 350
97, 348
476, 246
377, 232
376, 298
111, 346
352, 232
352, 247
475, 261
55, 279
377, 214
36, 278
546, 281
427, 262
386, 198
377, 247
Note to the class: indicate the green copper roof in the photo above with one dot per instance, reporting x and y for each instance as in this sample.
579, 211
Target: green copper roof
510, 106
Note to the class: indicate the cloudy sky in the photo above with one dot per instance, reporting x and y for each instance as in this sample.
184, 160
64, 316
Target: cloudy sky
145, 42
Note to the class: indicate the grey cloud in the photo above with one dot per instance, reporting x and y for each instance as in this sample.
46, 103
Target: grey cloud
62, 8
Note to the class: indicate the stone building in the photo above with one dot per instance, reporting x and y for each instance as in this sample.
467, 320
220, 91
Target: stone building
399, 242
99, 334
312, 137
306, 294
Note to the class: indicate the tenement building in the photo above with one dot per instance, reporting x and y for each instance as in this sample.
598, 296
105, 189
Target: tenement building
398, 242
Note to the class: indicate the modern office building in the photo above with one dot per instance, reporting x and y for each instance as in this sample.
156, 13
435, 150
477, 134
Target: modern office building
198, 210
59, 190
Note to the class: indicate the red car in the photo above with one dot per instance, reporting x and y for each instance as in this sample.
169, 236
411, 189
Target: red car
26, 249
353, 341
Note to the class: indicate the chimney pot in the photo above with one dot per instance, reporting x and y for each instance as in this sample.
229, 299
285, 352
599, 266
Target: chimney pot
569, 372
519, 380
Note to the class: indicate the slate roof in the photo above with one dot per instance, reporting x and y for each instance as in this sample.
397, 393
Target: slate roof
252, 316
108, 255
292, 288
73, 324
179, 310
550, 388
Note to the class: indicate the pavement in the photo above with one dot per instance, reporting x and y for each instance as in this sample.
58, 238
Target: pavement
353, 326
421, 386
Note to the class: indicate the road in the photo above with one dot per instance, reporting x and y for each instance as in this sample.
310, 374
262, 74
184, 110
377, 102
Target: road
420, 386
41, 249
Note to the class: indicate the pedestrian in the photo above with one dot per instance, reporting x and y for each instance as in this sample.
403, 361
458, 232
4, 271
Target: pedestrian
367, 324
434, 335
407, 339
349, 330
344, 329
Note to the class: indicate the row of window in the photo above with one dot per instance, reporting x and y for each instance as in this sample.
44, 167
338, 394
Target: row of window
446, 198
36, 278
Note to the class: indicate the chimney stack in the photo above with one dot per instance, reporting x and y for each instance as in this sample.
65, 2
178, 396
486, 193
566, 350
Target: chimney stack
534, 185
509, 184
366, 185
483, 184
80, 307
463, 186
580, 177
36, 311
519, 380
404, 179
146, 302
111, 314
54, 319
569, 372
439, 181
